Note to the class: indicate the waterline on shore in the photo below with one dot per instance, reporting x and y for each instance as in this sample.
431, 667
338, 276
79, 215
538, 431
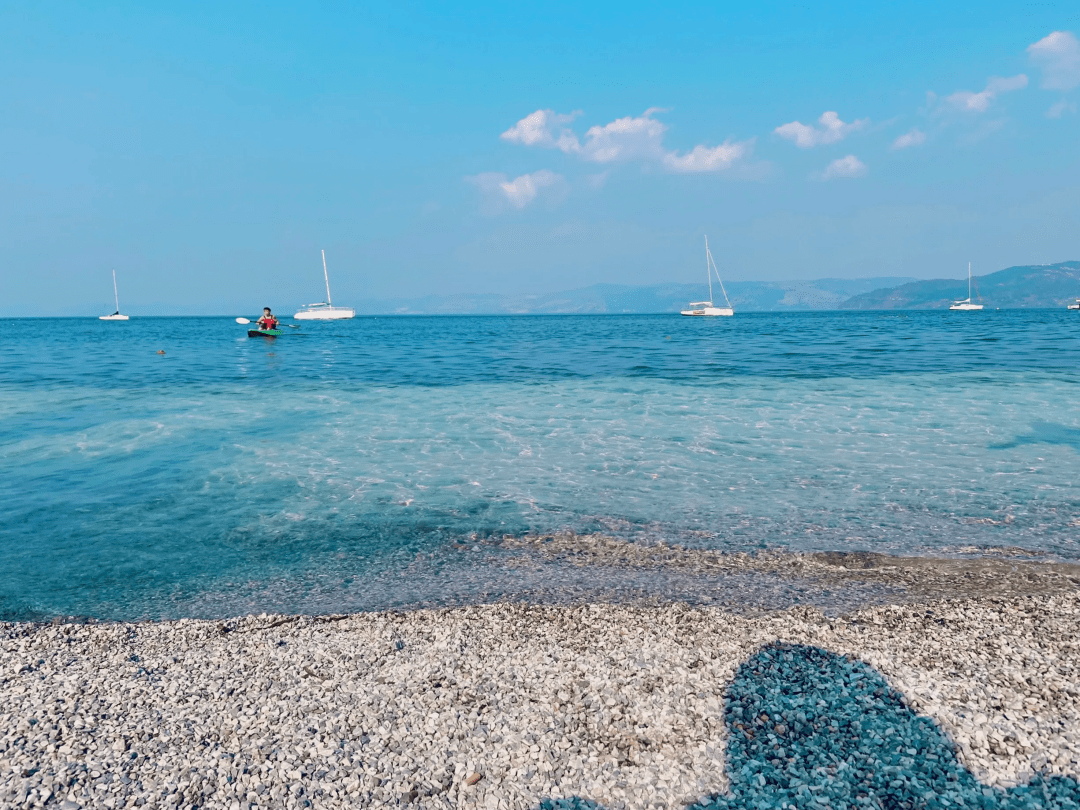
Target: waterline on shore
568, 569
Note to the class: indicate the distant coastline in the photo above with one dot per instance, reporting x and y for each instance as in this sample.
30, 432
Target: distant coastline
1028, 286
1020, 287
1023, 287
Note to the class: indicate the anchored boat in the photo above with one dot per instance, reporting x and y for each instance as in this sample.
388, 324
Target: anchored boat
706, 307
324, 311
116, 316
966, 304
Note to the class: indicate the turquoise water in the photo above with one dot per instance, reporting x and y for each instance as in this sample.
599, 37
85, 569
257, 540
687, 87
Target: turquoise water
346, 465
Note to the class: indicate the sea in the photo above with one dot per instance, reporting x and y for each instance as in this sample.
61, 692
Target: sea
175, 467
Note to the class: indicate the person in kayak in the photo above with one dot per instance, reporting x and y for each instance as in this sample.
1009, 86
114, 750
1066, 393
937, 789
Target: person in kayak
267, 321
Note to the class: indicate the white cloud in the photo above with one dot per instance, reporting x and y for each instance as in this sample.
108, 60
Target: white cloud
832, 130
848, 167
913, 138
980, 102
633, 138
1062, 107
538, 129
1058, 54
625, 139
708, 159
518, 192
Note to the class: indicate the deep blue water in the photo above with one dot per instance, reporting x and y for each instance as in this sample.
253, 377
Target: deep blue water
336, 467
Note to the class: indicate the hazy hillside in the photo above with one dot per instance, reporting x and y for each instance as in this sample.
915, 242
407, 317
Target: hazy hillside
1040, 285
1052, 285
746, 296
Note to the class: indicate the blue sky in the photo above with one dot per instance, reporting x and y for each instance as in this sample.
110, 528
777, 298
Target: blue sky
208, 151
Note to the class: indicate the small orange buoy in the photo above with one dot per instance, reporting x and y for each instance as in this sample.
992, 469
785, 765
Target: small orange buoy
161, 351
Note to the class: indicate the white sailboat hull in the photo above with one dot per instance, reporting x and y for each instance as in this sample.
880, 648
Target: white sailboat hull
1074, 306
705, 309
116, 316
966, 305
325, 314
708, 311
324, 310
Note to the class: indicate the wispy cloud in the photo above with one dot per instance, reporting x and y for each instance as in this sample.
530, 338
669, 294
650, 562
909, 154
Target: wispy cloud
597, 180
708, 159
841, 168
983, 131
632, 138
969, 101
1058, 54
912, 138
629, 138
831, 130
544, 128
1062, 107
518, 192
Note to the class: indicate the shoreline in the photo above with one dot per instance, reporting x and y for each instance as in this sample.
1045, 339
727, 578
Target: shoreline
817, 579
568, 569
621, 704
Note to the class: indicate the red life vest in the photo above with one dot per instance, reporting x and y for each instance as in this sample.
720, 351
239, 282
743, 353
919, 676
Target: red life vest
268, 322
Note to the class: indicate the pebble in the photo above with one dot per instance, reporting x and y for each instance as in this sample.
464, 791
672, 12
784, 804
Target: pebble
621, 705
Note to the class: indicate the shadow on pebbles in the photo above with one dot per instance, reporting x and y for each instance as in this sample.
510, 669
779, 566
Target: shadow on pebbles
962, 693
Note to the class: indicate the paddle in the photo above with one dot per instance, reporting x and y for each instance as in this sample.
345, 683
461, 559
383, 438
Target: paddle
246, 321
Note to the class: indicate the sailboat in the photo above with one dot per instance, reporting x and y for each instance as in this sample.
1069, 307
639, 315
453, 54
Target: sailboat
116, 316
1074, 306
324, 311
966, 304
706, 307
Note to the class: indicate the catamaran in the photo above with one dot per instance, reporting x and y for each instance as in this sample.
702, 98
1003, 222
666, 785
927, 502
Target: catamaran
966, 303
324, 311
706, 307
116, 316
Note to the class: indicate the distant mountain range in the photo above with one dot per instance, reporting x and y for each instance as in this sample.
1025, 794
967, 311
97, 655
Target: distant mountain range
1052, 285
1038, 285
746, 296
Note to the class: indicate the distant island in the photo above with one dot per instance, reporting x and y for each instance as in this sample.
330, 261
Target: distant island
1028, 286
1047, 285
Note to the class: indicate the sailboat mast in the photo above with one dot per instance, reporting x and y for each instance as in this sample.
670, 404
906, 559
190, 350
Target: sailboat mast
327, 277
969, 281
720, 280
708, 270
116, 295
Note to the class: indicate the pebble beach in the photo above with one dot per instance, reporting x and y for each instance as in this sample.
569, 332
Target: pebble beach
517, 705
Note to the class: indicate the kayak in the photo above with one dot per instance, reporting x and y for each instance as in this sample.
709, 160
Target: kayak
263, 332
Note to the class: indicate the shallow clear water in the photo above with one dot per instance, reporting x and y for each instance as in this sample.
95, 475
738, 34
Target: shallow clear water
340, 466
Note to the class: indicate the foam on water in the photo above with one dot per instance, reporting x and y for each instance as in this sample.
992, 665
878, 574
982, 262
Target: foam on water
334, 468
